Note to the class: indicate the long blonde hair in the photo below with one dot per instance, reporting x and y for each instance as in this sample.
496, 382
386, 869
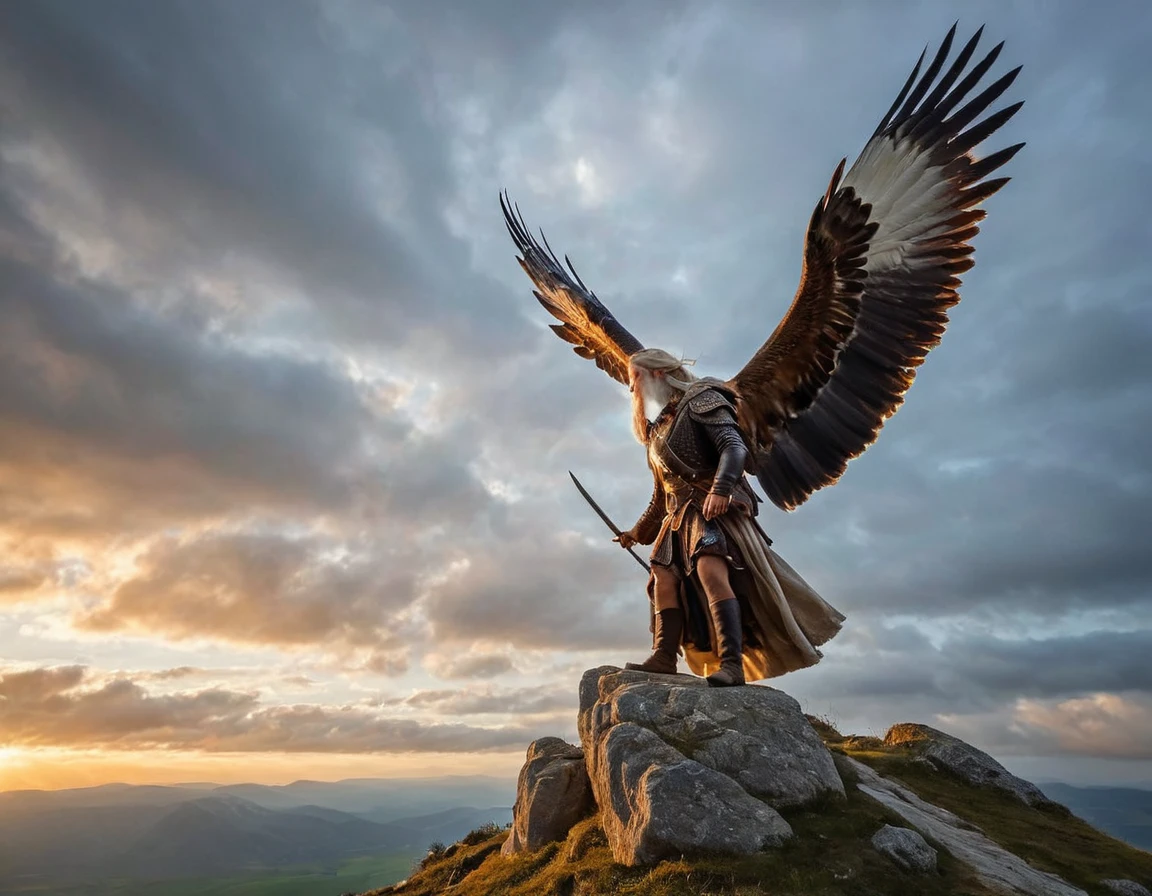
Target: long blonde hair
676, 376
675, 369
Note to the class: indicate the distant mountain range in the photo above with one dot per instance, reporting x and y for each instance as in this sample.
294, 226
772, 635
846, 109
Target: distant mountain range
206, 830
123, 831
401, 796
1123, 812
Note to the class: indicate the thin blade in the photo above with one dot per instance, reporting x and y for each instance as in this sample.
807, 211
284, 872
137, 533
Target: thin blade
611, 525
587, 497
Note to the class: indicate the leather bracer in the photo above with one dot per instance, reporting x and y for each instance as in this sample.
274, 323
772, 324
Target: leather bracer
733, 454
718, 422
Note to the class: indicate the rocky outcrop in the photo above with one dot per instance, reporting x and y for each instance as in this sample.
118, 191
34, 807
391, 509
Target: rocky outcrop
973, 765
655, 803
677, 766
672, 769
906, 848
552, 794
1126, 887
757, 736
997, 868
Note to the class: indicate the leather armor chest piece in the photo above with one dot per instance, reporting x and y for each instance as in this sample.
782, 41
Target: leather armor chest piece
679, 447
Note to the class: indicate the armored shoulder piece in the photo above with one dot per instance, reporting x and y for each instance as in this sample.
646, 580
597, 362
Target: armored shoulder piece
712, 406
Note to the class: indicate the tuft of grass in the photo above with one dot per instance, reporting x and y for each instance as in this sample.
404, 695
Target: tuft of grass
825, 728
485, 832
1048, 837
830, 855
584, 837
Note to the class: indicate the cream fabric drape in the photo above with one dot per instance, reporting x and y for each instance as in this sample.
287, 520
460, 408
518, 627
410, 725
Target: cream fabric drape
793, 619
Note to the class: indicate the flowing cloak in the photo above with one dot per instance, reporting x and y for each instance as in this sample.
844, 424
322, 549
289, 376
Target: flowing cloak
784, 619
788, 618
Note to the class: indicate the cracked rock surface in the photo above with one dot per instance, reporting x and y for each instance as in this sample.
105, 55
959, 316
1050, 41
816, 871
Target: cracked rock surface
996, 867
677, 766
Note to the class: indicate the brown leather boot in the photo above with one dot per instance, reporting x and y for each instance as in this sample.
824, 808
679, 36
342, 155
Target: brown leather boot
729, 646
669, 627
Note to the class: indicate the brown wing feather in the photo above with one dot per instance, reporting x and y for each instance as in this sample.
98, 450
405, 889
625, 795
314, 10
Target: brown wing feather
799, 357
590, 327
882, 260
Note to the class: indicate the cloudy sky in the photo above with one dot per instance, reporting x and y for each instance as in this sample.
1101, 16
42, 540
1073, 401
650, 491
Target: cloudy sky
284, 439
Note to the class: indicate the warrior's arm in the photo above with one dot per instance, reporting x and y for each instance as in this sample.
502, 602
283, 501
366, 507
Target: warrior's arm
648, 526
723, 432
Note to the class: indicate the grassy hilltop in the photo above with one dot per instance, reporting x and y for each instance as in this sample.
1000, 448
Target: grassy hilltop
831, 854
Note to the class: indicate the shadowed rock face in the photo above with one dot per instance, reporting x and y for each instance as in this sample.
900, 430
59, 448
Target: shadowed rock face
552, 794
906, 848
974, 766
676, 766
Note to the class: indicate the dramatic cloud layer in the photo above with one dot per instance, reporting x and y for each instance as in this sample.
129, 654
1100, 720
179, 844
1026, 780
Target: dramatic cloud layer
61, 706
280, 417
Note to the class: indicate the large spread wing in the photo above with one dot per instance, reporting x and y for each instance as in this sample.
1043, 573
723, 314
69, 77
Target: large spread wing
882, 261
584, 321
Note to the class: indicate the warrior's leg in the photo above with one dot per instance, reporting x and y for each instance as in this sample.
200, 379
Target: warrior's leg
669, 623
725, 609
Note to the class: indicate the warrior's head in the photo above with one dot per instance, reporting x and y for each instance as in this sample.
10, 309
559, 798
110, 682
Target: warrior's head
655, 377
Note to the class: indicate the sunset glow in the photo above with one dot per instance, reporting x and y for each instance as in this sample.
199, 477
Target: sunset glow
56, 769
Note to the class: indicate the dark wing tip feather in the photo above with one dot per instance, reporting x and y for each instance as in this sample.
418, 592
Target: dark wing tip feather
930, 73
585, 323
978, 170
922, 111
974, 107
966, 141
568, 262
954, 70
900, 97
980, 192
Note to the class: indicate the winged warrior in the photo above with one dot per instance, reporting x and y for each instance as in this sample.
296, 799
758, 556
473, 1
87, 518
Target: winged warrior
883, 254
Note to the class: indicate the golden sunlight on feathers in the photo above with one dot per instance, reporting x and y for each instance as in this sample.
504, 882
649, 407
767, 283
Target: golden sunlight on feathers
586, 323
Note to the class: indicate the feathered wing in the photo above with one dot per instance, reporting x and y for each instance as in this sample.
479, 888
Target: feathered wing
882, 261
584, 321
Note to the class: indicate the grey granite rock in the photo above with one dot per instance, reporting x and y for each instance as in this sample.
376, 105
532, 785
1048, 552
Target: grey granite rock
906, 848
1126, 887
677, 766
962, 759
998, 869
552, 794
655, 804
757, 736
